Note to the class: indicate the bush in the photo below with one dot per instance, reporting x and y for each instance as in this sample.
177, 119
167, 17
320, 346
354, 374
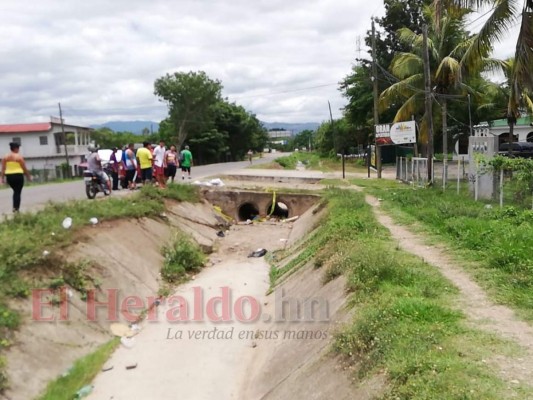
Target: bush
181, 257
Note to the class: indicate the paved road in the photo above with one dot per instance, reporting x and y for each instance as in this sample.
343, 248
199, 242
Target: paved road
34, 197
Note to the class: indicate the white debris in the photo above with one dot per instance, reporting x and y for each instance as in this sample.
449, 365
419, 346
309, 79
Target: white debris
216, 182
292, 219
93, 220
283, 206
67, 223
46, 253
128, 342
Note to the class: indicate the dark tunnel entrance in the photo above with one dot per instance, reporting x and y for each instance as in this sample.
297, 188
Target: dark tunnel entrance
281, 210
248, 211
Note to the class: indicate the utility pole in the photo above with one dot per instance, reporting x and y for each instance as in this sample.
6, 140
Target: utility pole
376, 96
336, 139
64, 139
470, 115
428, 101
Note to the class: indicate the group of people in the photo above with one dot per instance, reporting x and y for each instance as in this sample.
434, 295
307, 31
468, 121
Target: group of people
154, 163
157, 163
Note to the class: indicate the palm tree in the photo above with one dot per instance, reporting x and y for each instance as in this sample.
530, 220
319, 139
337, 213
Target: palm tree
447, 43
503, 15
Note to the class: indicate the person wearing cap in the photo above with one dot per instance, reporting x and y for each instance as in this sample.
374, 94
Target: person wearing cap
115, 168
13, 171
185, 162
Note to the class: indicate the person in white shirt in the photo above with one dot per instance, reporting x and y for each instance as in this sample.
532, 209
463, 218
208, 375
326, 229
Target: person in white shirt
160, 164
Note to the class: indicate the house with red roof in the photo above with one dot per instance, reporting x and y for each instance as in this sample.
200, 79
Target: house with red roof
43, 145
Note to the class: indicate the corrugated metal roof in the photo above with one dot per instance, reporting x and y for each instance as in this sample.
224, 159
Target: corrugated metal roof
22, 128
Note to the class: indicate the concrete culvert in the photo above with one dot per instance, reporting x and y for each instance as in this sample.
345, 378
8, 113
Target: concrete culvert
248, 211
281, 210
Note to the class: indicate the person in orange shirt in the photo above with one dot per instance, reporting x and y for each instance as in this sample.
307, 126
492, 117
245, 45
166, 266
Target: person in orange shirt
13, 171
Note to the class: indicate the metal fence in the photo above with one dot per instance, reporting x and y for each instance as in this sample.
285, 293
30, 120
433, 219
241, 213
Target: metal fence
414, 170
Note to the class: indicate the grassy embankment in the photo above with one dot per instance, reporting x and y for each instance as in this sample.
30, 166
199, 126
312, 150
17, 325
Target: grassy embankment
495, 245
406, 326
82, 373
313, 161
24, 238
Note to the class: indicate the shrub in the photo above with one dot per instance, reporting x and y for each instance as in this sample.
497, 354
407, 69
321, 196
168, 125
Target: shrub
181, 257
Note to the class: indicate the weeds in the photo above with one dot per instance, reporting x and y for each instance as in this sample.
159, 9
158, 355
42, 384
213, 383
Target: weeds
406, 326
181, 257
499, 241
81, 374
24, 238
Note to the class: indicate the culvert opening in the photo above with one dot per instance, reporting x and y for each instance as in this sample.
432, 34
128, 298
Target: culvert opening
281, 210
248, 211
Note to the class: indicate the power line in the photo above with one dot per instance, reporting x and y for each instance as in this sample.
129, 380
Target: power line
286, 91
481, 16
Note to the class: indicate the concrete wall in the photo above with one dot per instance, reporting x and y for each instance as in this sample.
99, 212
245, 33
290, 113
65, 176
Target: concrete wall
230, 201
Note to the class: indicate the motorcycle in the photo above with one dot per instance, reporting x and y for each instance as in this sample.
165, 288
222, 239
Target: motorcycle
93, 185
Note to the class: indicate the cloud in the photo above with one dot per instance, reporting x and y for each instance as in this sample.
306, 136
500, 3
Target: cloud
279, 59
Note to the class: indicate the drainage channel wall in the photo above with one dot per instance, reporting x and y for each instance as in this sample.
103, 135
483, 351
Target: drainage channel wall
233, 201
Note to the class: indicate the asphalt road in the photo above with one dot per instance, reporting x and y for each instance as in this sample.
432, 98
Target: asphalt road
35, 197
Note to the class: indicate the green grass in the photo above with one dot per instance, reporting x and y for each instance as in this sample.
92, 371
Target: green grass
182, 257
407, 325
82, 373
497, 243
334, 182
24, 238
314, 161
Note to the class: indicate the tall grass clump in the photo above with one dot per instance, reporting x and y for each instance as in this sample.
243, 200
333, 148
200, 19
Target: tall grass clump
406, 326
499, 241
182, 257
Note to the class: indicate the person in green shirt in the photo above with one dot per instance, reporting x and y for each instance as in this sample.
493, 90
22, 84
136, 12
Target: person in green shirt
185, 162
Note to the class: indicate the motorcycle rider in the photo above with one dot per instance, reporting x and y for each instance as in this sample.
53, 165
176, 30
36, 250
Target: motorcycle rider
94, 165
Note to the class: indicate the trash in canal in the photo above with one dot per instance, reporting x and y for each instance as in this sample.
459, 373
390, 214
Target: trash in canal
258, 253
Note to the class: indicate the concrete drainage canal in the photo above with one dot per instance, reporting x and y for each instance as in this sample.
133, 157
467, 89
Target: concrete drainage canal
247, 205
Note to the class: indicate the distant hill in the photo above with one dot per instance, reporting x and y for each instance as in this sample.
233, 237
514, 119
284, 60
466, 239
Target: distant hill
295, 127
129, 126
138, 126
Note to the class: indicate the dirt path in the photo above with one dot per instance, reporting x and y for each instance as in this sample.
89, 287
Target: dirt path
481, 311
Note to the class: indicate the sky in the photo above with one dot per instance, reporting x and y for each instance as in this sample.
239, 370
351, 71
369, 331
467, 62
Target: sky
280, 59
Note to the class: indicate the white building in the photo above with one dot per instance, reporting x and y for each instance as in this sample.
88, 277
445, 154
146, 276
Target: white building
522, 132
43, 148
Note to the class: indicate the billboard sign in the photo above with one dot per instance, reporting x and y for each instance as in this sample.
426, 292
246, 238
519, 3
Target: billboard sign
403, 132
399, 133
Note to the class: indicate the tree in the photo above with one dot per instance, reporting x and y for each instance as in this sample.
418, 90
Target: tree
106, 138
303, 139
357, 86
398, 14
335, 137
502, 16
243, 129
446, 43
191, 98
